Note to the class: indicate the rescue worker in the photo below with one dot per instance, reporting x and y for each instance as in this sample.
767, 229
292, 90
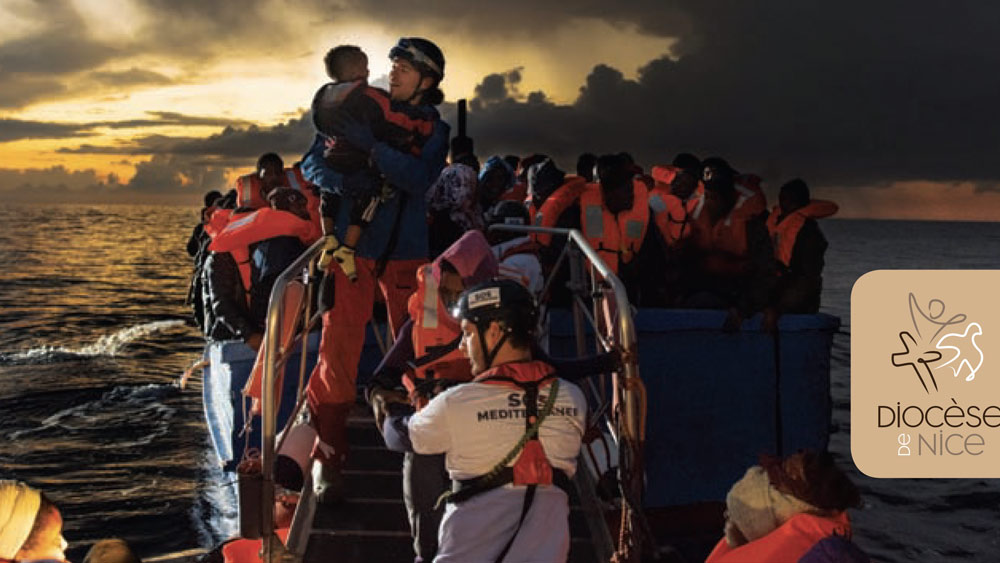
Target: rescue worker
425, 357
728, 260
393, 246
511, 437
790, 510
247, 257
799, 246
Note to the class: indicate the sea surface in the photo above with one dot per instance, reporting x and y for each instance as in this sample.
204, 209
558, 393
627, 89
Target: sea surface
94, 336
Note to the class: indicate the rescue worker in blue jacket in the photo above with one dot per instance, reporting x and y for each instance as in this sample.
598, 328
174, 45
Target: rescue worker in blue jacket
389, 252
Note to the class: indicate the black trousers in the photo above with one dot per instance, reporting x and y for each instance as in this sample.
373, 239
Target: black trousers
424, 479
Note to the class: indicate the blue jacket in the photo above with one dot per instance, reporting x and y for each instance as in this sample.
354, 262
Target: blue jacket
408, 174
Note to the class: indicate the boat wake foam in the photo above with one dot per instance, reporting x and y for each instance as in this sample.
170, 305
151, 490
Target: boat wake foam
109, 345
138, 409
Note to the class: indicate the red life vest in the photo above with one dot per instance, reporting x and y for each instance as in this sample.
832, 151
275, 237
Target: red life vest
248, 551
436, 335
245, 229
217, 222
751, 198
532, 466
784, 234
517, 192
298, 182
729, 234
554, 206
789, 542
617, 237
248, 190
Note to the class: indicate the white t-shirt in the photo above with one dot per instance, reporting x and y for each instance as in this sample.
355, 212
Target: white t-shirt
477, 424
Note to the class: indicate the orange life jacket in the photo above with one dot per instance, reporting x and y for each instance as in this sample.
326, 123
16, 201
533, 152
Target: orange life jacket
248, 190
554, 206
784, 233
517, 192
248, 551
217, 222
436, 335
789, 542
246, 229
729, 234
298, 182
751, 196
617, 238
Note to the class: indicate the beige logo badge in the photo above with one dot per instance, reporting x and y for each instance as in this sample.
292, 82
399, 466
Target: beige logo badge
925, 394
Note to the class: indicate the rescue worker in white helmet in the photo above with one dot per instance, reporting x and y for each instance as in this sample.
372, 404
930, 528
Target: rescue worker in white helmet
510, 437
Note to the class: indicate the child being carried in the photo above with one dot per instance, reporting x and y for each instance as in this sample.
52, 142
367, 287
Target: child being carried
400, 125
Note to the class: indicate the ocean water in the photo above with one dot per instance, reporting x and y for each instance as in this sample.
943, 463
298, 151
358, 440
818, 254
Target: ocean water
94, 335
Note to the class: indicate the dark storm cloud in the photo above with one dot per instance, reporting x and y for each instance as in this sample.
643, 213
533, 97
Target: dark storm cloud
164, 178
16, 129
234, 145
842, 93
173, 174
512, 18
132, 77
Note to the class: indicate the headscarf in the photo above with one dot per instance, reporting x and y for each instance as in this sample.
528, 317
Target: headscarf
19, 506
777, 489
454, 192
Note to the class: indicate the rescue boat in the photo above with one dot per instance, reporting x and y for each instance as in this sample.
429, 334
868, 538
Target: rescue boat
691, 408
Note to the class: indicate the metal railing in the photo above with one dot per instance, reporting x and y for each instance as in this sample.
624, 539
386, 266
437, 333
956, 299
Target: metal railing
273, 549
625, 420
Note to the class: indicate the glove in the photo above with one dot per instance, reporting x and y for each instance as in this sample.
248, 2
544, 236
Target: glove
330, 243
344, 255
354, 132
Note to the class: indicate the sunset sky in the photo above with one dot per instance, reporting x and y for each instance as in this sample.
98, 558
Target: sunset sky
891, 109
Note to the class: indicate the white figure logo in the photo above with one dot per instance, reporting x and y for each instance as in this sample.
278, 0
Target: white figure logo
971, 332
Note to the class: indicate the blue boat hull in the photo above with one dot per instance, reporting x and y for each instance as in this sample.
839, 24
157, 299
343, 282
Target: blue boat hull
714, 399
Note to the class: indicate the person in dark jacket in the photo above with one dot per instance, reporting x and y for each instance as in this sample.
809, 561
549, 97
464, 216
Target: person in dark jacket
393, 246
799, 247
239, 312
196, 246
728, 260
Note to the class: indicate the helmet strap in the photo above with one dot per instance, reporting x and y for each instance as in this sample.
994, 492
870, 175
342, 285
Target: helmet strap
490, 355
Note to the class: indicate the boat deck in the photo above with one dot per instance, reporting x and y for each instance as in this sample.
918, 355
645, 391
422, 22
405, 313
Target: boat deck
372, 524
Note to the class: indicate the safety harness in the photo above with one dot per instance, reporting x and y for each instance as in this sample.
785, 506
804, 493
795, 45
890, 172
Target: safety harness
532, 467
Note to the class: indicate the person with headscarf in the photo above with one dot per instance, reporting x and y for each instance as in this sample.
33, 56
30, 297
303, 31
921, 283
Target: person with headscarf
30, 525
792, 509
452, 207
